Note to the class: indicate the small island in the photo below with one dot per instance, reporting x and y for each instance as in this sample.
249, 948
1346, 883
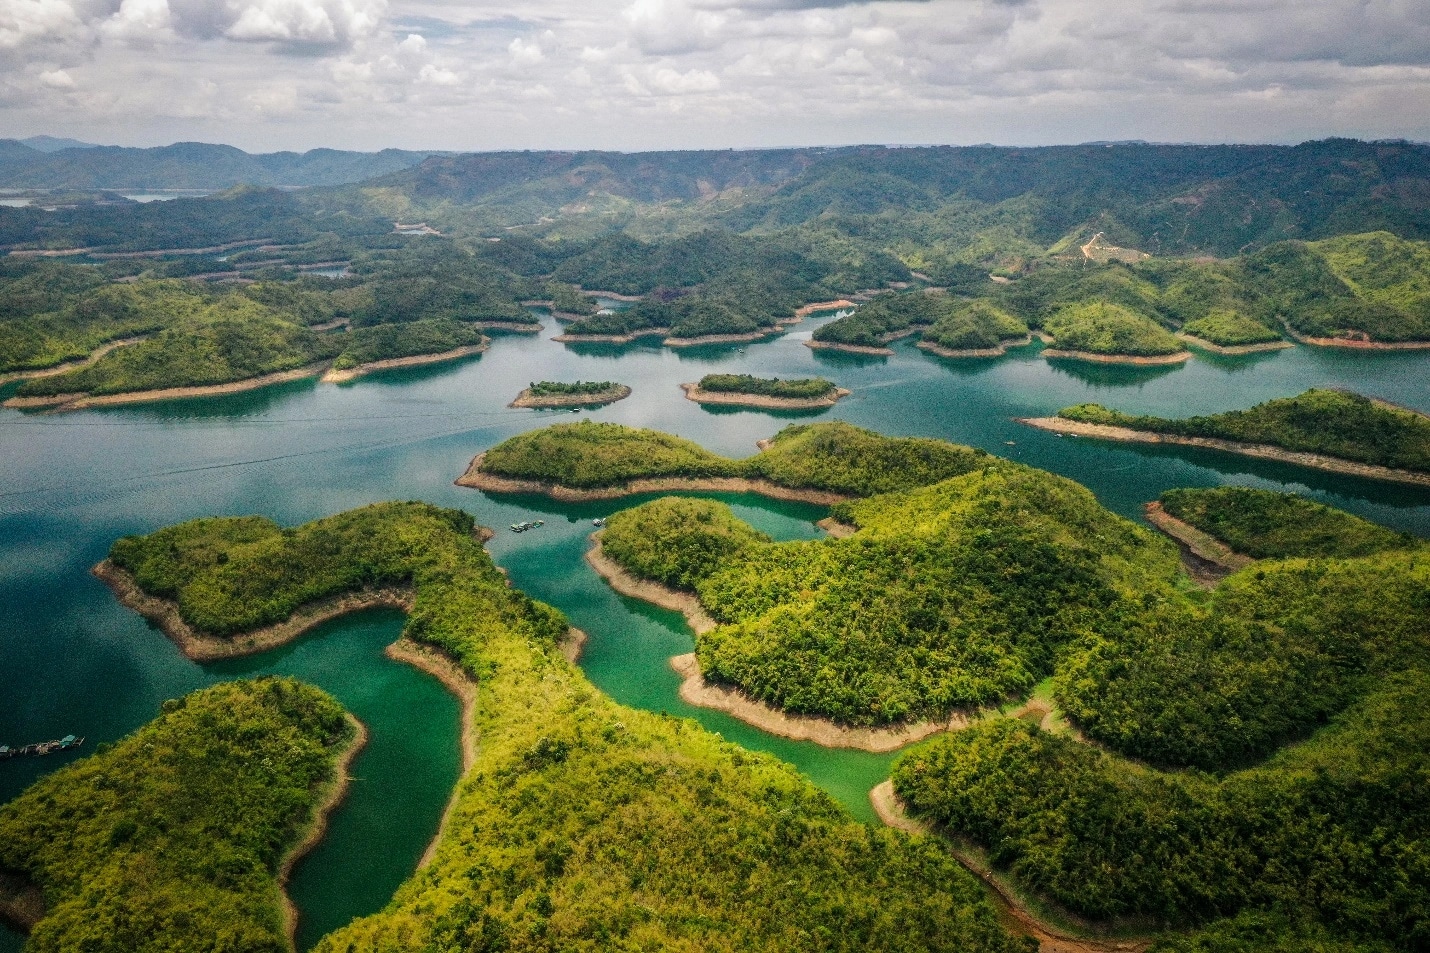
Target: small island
822, 463
744, 390
975, 329
1111, 334
876, 325
1230, 332
579, 394
1324, 429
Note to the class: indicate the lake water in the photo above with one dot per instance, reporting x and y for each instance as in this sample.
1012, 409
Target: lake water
75, 661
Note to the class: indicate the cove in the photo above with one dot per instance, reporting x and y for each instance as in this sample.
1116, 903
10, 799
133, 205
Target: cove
76, 661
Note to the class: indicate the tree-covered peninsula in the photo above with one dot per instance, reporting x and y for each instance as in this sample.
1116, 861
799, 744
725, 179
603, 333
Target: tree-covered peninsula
1100, 330
949, 597
175, 838
830, 461
582, 824
1331, 429
1264, 524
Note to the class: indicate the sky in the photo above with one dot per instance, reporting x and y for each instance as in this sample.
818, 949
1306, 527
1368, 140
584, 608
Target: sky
645, 74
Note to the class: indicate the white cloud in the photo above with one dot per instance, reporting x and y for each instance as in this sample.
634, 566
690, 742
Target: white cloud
525, 52
57, 79
636, 73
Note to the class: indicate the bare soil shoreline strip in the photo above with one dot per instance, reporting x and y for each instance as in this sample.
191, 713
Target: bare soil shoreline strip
893, 812
336, 791
998, 351
1177, 358
1356, 344
477, 479
696, 691
94, 355
524, 399
611, 338
164, 614
749, 337
1233, 349
1260, 451
695, 393
1202, 545
334, 376
67, 402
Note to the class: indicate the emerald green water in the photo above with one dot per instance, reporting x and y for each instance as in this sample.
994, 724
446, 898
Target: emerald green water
75, 661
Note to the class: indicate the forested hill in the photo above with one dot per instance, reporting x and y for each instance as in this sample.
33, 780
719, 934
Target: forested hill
189, 165
1162, 199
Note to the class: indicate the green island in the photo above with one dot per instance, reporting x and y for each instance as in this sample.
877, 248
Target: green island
948, 598
1230, 332
822, 463
578, 394
1264, 524
1110, 332
1326, 429
580, 824
749, 391
974, 329
179, 836
873, 326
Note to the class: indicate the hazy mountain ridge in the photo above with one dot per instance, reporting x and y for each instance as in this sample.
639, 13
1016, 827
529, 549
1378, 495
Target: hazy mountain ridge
1164, 199
189, 165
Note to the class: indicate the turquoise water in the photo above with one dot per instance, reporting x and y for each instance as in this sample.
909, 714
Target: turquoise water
75, 661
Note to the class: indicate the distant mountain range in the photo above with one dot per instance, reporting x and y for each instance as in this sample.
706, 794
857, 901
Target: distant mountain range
45, 162
1164, 199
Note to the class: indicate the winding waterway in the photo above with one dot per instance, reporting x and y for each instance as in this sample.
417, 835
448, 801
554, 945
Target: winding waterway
75, 661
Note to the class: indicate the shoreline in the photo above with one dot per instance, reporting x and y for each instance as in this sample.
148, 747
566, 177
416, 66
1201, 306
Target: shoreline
163, 614
611, 338
824, 732
335, 376
524, 399
693, 392
474, 478
998, 351
1156, 359
745, 338
12, 376
613, 295
1260, 451
1202, 545
337, 793
440, 665
836, 529
1233, 349
882, 350
1355, 344
60, 403
696, 691
510, 327
893, 812
838, 304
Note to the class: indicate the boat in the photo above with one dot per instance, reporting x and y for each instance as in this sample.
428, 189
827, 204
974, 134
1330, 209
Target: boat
599, 521
526, 525
41, 748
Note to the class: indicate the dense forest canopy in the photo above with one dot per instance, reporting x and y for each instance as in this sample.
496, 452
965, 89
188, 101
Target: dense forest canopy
1331, 422
171, 839
584, 824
